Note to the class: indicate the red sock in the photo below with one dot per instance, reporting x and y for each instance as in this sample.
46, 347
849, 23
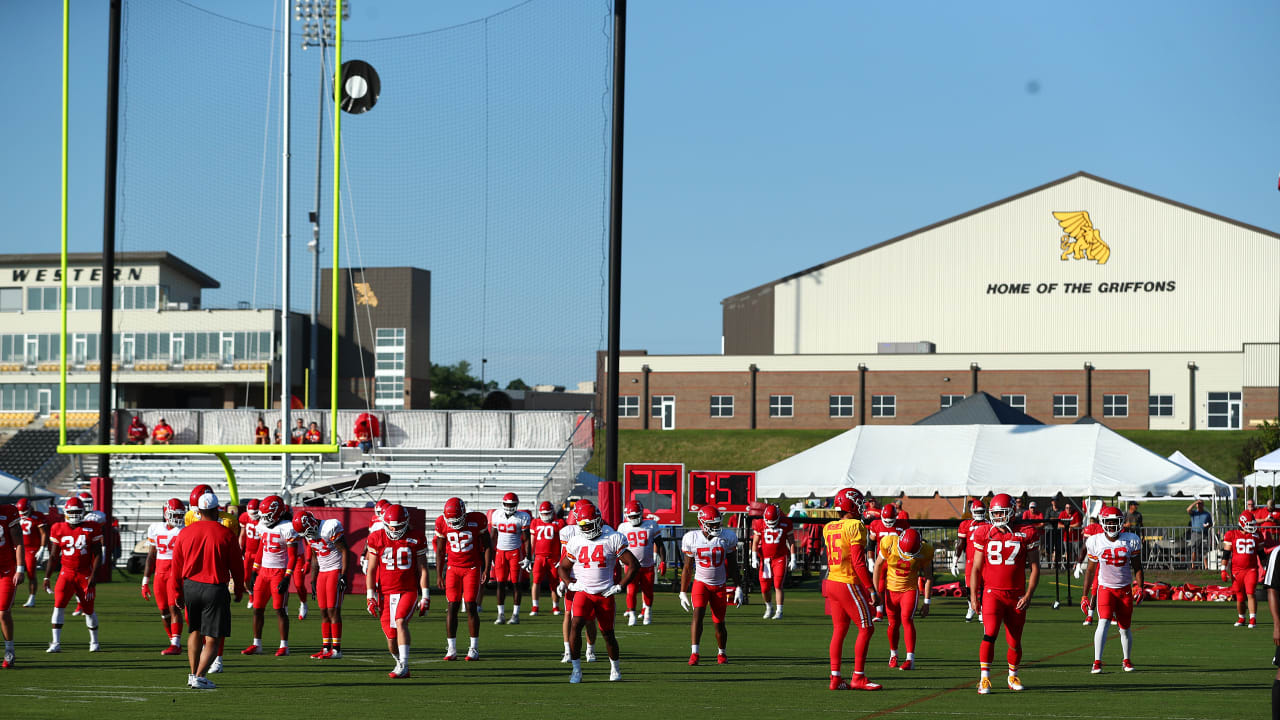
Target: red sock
1014, 656
839, 629
336, 633
175, 629
326, 633
891, 631
986, 652
860, 648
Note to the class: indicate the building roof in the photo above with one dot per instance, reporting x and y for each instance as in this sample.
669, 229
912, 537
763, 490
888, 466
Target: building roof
1081, 174
980, 409
159, 258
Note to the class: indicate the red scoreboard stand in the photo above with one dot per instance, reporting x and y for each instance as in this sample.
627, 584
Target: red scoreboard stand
658, 487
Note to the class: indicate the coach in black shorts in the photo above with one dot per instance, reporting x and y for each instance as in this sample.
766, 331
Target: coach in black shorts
206, 556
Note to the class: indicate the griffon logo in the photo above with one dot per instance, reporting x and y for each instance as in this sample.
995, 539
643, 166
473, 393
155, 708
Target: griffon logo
1082, 240
364, 294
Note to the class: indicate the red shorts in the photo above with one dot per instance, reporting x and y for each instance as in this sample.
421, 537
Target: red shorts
29, 554
162, 591
1245, 583
72, 585
588, 607
7, 587
265, 586
900, 606
1001, 607
704, 595
506, 565
461, 584
397, 608
642, 585
544, 567
771, 569
327, 589
849, 600
1116, 604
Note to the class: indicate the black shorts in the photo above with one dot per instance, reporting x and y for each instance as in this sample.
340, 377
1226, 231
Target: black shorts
208, 608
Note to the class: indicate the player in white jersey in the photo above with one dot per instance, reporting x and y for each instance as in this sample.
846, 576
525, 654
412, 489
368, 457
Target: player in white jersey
160, 538
1117, 557
567, 533
272, 570
331, 558
509, 531
708, 562
593, 554
642, 539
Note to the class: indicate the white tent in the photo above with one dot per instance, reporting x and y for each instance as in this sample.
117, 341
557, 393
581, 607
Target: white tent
955, 460
12, 488
1265, 471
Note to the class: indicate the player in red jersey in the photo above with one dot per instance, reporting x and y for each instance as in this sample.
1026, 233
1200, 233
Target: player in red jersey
544, 533
887, 523
35, 538
1245, 545
590, 564
773, 551
330, 559
80, 552
396, 557
249, 539
271, 570
12, 571
463, 556
642, 540
1003, 552
160, 539
964, 548
1088, 588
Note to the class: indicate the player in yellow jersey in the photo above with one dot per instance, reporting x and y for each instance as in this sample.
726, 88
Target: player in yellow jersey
903, 560
848, 588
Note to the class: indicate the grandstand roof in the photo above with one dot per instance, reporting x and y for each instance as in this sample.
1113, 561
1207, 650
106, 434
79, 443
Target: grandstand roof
160, 258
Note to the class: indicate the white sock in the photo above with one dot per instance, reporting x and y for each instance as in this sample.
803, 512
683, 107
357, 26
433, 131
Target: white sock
695, 650
768, 607
173, 639
779, 607
475, 643
31, 597
1100, 638
284, 643
257, 642
986, 674
1253, 616
646, 609
566, 646
835, 673
911, 657
613, 665
57, 635
1126, 641
720, 650
968, 613
515, 610
893, 653
451, 646
91, 621
1013, 671
404, 655
8, 646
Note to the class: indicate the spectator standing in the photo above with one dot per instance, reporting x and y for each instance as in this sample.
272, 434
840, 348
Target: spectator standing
137, 434
1053, 532
298, 434
261, 435
1133, 520
1072, 522
162, 433
1200, 523
206, 556
313, 435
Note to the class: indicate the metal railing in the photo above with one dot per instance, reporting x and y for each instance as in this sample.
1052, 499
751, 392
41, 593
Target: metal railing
562, 476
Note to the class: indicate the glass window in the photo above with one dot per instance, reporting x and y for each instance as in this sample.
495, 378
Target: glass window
884, 406
1066, 405
1224, 410
11, 299
628, 406
781, 405
655, 404
722, 406
947, 401
1115, 406
388, 391
840, 406
1015, 401
1160, 405
42, 298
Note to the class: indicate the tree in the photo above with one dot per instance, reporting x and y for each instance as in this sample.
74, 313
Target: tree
455, 388
518, 384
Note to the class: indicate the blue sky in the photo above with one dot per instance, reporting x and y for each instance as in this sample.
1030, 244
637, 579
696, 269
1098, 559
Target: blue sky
763, 138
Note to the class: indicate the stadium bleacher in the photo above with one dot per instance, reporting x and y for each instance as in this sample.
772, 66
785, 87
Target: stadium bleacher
28, 450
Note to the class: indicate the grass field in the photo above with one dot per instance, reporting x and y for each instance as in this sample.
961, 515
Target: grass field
1191, 664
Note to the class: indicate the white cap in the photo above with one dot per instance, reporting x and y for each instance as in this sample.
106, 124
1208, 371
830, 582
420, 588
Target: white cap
208, 501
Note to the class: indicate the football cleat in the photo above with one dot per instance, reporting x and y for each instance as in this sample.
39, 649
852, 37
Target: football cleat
777, 614
514, 620
768, 611
171, 650
1014, 683
320, 655
500, 620
615, 675
8, 662
216, 667
334, 655
1239, 623
567, 657
722, 659
906, 665
1128, 665
473, 654
1097, 667
893, 661
631, 618
575, 676
31, 601
252, 650
1252, 623
282, 652
399, 673
450, 657
302, 612
533, 612
860, 682
590, 654
203, 683
647, 619
693, 659
555, 610
837, 683
984, 686
1088, 620
94, 646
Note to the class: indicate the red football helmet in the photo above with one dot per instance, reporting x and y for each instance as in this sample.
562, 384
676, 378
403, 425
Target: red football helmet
909, 543
978, 511
455, 513
73, 511
1248, 522
710, 521
1112, 521
86, 497
590, 524
251, 507
380, 507
1001, 510
772, 515
306, 525
175, 513
889, 515
196, 492
24, 507
849, 500
510, 502
635, 512
271, 509
546, 511
395, 521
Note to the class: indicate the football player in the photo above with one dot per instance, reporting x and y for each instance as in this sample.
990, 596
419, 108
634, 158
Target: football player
1115, 562
272, 568
709, 561
1088, 588
903, 561
593, 554
80, 552
773, 551
964, 536
301, 567
327, 546
12, 571
544, 534
160, 538
1003, 552
35, 540
567, 533
249, 539
509, 531
886, 524
396, 556
642, 541
1245, 545
229, 517
849, 589
463, 555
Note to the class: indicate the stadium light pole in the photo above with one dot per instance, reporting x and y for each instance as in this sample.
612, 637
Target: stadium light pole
615, 237
105, 400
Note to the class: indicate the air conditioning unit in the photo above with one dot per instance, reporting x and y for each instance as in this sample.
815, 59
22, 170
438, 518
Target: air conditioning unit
924, 347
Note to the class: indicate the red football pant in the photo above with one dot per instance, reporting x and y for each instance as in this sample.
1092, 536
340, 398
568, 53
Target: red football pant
265, 587
641, 585
29, 554
704, 595
1116, 605
506, 565
327, 589
1245, 583
588, 607
848, 603
1000, 607
70, 585
900, 607
771, 568
300, 578
7, 588
461, 584
544, 568
397, 608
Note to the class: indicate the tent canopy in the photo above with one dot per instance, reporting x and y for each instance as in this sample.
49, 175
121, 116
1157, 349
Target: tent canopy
957, 460
1269, 462
12, 488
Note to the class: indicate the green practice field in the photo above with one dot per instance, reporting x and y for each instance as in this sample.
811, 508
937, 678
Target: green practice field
1191, 664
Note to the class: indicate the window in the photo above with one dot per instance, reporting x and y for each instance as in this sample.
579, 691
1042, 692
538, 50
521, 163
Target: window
85, 297
884, 406
947, 401
655, 404
388, 391
135, 297
1224, 410
11, 299
42, 298
781, 405
722, 406
840, 406
1015, 401
389, 349
1115, 406
1066, 405
1160, 405
628, 406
